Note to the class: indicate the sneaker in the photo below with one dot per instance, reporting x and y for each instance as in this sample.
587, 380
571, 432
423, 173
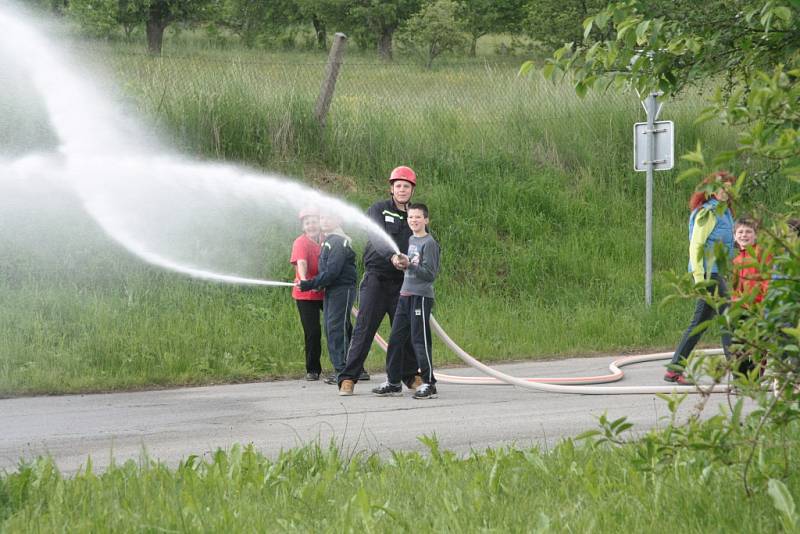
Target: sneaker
388, 390
426, 391
332, 379
678, 378
414, 384
312, 377
346, 388
364, 375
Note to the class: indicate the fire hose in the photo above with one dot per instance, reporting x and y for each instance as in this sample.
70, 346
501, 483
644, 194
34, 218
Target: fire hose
584, 385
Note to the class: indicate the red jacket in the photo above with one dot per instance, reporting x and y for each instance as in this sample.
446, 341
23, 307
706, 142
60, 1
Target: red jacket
746, 276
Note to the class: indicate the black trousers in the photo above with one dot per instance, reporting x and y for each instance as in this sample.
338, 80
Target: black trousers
310, 311
743, 357
411, 322
702, 313
377, 298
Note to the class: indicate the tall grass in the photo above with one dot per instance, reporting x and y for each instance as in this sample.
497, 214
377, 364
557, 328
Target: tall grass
315, 489
531, 189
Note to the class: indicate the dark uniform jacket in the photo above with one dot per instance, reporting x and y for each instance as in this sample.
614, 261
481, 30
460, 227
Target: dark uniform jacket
377, 253
337, 264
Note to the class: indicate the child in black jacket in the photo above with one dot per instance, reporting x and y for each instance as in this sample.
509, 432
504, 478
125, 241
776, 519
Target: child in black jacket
337, 275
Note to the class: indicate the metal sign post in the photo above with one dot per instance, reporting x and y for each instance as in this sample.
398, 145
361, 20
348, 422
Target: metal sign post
652, 151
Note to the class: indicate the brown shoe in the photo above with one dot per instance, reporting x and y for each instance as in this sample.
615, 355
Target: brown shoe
414, 384
346, 388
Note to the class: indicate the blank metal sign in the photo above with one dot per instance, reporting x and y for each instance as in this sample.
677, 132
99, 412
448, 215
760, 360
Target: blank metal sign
664, 135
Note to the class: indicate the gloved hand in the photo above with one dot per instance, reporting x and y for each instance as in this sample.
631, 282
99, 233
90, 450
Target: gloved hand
305, 285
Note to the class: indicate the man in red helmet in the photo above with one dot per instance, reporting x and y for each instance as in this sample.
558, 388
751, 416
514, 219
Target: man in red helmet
383, 277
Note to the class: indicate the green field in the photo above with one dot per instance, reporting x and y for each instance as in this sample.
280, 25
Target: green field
531, 189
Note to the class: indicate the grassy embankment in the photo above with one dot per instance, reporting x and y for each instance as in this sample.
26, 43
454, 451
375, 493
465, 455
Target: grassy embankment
532, 196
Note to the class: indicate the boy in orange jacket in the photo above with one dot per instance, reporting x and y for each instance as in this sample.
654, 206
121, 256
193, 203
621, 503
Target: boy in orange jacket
749, 283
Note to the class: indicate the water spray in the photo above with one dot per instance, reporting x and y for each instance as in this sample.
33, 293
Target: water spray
197, 218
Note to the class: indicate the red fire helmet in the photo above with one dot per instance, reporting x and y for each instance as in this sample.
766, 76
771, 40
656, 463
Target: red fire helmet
403, 173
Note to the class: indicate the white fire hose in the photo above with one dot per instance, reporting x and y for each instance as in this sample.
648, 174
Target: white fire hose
580, 385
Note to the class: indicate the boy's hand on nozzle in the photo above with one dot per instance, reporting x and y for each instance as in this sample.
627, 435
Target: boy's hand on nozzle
400, 261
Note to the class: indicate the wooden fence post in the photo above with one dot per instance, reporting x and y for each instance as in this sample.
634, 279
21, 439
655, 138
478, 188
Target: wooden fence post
329, 83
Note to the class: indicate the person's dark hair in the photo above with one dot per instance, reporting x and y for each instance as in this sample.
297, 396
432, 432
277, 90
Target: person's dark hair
418, 206
698, 198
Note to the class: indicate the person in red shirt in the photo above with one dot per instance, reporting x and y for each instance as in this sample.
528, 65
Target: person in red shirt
305, 258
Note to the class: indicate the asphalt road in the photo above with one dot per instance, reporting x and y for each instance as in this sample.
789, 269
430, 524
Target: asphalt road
172, 424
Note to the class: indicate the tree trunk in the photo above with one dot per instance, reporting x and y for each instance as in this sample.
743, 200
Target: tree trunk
158, 18
319, 29
385, 44
473, 45
155, 37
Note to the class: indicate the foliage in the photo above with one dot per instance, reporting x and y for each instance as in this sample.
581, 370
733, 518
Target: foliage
103, 18
158, 14
481, 17
554, 22
433, 31
753, 48
749, 442
310, 10
368, 22
262, 23
98, 18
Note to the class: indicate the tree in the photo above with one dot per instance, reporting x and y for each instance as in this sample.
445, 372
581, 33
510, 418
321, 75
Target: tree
433, 31
253, 20
319, 30
159, 14
102, 18
313, 10
368, 22
481, 17
383, 17
98, 18
555, 22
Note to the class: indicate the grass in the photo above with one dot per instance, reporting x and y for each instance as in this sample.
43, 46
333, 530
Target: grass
319, 489
531, 189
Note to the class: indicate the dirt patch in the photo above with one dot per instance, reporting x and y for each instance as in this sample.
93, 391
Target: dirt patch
330, 181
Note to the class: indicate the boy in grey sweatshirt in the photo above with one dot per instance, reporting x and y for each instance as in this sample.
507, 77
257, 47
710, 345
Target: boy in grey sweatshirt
413, 313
